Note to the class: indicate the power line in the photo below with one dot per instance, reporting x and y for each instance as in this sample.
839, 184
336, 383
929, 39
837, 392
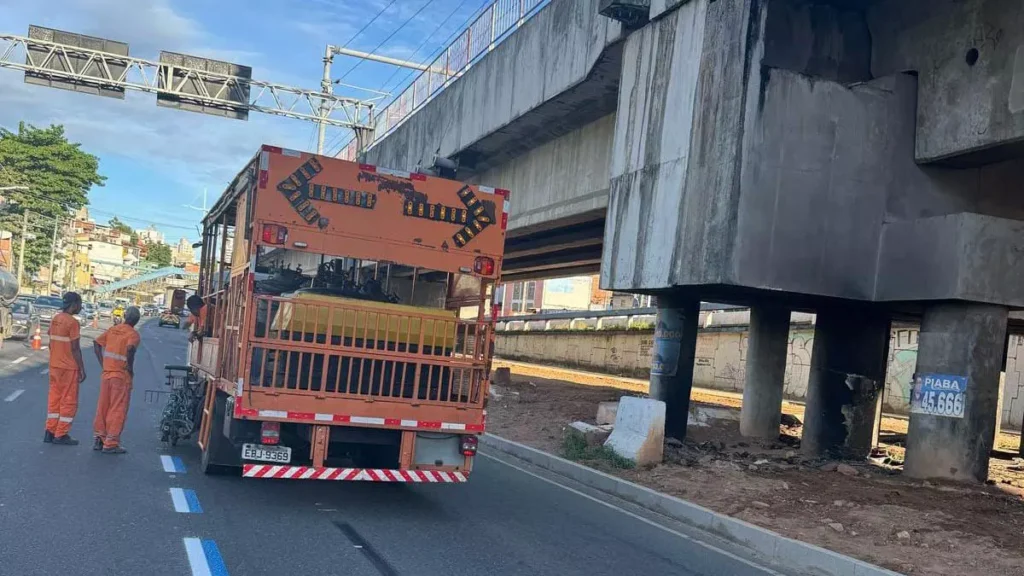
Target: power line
138, 219
368, 24
390, 36
430, 58
424, 43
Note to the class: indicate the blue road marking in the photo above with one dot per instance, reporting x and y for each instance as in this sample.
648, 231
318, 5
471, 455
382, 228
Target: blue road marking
172, 464
204, 558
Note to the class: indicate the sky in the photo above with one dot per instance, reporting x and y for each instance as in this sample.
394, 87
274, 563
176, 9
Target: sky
157, 160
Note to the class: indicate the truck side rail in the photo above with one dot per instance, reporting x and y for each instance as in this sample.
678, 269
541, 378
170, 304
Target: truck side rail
366, 350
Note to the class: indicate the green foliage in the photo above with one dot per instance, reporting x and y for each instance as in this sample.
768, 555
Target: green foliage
575, 447
116, 224
159, 254
58, 175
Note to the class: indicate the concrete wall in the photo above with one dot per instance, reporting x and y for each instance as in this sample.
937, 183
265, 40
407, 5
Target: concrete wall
962, 108
557, 182
488, 110
753, 150
721, 360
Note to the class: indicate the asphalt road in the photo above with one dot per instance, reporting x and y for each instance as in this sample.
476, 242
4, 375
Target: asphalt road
69, 510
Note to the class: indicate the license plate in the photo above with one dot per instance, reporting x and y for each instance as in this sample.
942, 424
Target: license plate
279, 454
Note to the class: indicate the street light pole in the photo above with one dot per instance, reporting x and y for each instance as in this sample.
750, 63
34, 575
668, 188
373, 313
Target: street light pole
53, 254
21, 256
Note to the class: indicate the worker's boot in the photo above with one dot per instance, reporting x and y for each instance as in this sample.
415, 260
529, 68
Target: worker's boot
114, 450
48, 437
97, 443
66, 440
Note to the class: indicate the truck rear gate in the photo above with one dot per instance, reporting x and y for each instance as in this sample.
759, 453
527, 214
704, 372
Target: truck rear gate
330, 385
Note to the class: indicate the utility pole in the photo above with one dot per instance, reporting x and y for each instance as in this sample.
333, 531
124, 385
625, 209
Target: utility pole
21, 256
326, 88
53, 254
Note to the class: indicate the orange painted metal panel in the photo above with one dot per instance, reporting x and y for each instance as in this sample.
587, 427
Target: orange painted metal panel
332, 206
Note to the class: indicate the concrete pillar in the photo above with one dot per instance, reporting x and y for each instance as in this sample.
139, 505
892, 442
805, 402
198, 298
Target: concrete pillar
767, 350
956, 389
675, 345
851, 345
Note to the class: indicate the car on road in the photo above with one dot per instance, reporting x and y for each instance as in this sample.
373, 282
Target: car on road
47, 306
105, 309
150, 310
168, 318
24, 319
89, 310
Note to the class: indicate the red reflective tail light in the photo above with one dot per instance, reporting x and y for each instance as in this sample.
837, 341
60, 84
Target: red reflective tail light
274, 234
483, 266
270, 432
469, 444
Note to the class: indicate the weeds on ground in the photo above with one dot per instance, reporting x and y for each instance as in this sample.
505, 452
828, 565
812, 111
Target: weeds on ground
574, 447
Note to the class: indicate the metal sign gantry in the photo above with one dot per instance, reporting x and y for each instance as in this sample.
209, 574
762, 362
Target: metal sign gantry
74, 65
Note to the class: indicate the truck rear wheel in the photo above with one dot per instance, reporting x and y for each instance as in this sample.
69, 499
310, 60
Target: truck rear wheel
219, 456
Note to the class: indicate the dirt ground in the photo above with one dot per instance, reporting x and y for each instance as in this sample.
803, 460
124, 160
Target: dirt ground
861, 509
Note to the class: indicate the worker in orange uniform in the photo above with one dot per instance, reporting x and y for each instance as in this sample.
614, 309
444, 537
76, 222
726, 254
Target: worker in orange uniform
115, 349
198, 308
67, 371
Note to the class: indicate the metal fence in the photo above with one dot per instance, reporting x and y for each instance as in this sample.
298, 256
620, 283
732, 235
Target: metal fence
493, 24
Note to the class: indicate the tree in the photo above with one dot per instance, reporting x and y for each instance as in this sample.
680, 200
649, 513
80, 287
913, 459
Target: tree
159, 254
58, 175
116, 224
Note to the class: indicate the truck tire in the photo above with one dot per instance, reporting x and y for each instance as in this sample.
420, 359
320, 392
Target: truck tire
220, 456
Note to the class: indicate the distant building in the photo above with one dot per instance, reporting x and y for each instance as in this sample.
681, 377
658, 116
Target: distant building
183, 254
150, 236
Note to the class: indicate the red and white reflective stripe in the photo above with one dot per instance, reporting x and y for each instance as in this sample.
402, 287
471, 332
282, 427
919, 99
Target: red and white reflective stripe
363, 420
350, 474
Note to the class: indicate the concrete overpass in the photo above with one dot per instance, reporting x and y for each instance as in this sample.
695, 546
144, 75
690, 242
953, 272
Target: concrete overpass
859, 159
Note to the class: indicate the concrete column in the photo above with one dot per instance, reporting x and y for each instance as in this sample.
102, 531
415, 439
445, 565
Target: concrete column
767, 350
962, 344
851, 344
675, 344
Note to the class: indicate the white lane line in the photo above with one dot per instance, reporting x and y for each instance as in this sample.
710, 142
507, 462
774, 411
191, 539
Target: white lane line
45, 348
14, 395
172, 464
45, 371
197, 557
637, 517
178, 499
20, 360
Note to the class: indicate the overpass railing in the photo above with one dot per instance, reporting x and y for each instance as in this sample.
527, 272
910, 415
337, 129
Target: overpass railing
492, 26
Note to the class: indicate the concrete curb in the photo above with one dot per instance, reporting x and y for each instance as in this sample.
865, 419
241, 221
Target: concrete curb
785, 552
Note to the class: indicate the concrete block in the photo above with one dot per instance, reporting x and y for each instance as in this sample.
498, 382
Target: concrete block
502, 376
535, 325
583, 323
515, 326
612, 322
639, 432
702, 416
561, 324
594, 435
642, 321
606, 412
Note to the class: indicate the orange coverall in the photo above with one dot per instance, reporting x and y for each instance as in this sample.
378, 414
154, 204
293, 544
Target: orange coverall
62, 401
115, 383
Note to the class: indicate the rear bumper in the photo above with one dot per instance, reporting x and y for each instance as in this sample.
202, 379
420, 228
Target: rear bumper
352, 474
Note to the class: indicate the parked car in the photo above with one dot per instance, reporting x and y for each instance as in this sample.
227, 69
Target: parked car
47, 306
168, 318
24, 319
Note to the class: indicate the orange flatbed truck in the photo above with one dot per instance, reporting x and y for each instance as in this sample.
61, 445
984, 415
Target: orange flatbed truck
347, 332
